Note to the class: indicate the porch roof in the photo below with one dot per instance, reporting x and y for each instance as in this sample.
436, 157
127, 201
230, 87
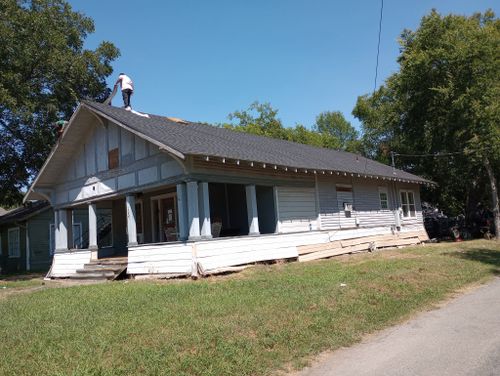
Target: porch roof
24, 212
189, 138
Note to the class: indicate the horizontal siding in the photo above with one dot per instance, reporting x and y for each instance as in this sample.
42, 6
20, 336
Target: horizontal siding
366, 204
160, 259
218, 254
296, 209
67, 263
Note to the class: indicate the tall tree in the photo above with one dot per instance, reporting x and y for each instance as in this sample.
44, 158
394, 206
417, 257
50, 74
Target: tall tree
340, 133
330, 131
444, 99
44, 72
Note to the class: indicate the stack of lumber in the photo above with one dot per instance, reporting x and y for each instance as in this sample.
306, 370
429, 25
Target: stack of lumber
353, 245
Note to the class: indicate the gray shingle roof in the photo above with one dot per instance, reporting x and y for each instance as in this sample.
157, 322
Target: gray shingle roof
23, 212
205, 140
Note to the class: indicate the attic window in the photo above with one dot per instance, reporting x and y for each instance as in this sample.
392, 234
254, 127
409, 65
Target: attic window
113, 159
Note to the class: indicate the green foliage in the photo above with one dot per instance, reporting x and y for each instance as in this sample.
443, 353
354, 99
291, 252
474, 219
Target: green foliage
330, 131
44, 72
254, 323
443, 99
338, 132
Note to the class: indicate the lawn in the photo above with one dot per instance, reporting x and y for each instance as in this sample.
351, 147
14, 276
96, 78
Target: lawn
257, 322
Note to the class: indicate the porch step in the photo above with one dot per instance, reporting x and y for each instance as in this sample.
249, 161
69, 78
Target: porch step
93, 275
110, 269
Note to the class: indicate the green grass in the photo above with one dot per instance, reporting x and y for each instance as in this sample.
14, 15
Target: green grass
265, 319
21, 281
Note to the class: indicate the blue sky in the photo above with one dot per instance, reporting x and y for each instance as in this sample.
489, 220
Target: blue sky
200, 60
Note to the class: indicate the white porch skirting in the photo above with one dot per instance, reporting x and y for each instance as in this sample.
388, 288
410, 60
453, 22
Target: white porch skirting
65, 264
216, 255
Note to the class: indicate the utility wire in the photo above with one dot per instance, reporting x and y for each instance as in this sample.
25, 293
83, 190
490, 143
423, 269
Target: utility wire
378, 44
433, 155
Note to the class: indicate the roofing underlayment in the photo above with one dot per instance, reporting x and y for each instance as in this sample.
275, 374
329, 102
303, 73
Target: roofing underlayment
188, 138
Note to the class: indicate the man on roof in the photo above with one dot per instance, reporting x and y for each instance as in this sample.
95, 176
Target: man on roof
127, 89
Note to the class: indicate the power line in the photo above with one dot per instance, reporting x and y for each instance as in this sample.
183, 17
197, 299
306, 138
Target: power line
438, 154
378, 44
433, 155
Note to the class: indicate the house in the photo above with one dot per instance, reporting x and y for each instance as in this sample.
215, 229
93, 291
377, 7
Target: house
173, 197
24, 238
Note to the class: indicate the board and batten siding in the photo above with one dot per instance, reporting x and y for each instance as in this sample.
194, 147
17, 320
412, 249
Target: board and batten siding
140, 163
296, 209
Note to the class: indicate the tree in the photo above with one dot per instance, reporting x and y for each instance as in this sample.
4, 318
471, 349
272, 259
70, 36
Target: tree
443, 99
330, 131
339, 132
44, 72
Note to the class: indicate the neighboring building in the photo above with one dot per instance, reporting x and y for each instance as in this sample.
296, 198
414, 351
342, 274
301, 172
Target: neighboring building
25, 239
2, 211
178, 198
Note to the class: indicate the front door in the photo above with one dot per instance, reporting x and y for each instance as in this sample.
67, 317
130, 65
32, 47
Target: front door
165, 218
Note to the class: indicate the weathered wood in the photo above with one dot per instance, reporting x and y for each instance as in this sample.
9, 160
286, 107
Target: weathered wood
305, 249
397, 242
324, 254
366, 239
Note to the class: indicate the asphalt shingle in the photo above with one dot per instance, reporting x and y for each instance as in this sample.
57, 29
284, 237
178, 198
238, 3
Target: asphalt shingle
205, 140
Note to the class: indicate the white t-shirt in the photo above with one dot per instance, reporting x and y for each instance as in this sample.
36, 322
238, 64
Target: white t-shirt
126, 82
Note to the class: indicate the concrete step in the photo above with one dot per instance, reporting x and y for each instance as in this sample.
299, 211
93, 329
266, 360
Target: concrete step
117, 261
81, 274
99, 267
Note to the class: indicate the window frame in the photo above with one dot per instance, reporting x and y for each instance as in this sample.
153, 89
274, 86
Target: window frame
409, 213
10, 231
383, 190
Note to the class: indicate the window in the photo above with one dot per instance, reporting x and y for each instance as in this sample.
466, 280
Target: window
13, 242
408, 204
384, 198
113, 159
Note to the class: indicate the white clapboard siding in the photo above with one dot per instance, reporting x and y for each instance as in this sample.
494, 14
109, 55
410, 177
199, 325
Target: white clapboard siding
219, 254
66, 264
160, 259
297, 209
345, 220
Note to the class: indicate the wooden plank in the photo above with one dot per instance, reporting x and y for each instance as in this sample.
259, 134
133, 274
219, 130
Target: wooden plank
323, 254
366, 239
397, 242
304, 249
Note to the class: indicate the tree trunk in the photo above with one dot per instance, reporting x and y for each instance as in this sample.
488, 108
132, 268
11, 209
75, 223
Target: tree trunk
494, 197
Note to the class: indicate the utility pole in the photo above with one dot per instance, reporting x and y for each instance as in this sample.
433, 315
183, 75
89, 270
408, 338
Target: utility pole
393, 165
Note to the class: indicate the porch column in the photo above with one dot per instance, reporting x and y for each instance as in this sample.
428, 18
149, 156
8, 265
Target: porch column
206, 227
62, 230
253, 218
193, 212
182, 209
131, 225
93, 231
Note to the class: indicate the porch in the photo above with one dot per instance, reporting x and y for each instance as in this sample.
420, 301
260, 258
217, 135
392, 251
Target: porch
181, 213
